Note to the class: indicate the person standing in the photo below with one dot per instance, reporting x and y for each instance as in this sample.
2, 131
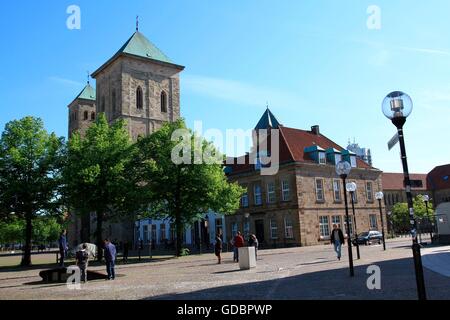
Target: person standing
218, 248
238, 243
253, 242
110, 258
82, 258
126, 248
62, 248
337, 239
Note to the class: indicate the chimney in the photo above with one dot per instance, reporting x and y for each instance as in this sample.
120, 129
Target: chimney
315, 130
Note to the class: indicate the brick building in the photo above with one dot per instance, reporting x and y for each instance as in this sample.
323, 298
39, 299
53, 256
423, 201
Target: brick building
439, 184
298, 205
394, 189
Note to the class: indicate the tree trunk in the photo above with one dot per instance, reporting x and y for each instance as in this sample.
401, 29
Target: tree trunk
179, 231
26, 259
99, 234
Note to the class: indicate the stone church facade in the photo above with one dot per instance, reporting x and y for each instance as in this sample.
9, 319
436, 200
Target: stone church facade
139, 84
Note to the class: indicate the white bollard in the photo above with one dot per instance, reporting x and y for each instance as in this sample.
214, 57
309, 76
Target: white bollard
247, 258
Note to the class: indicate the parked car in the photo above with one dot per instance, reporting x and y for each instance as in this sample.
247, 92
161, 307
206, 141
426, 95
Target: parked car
368, 238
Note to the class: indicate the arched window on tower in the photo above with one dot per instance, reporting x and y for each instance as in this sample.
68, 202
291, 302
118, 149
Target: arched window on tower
93, 116
139, 99
102, 105
86, 115
113, 98
163, 102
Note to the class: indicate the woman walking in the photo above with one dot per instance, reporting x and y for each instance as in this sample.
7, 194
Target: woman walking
218, 248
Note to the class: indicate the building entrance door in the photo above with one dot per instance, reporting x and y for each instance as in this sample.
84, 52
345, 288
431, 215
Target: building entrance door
259, 228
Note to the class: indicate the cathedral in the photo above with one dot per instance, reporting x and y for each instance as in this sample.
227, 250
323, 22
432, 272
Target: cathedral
139, 84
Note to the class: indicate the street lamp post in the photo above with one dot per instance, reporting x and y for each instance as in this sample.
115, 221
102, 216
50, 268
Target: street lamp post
379, 196
200, 235
426, 199
397, 106
351, 188
343, 169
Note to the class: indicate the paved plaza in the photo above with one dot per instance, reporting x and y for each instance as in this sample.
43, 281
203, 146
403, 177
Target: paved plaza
295, 273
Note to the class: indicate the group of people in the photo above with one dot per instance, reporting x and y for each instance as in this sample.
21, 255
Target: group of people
82, 256
237, 242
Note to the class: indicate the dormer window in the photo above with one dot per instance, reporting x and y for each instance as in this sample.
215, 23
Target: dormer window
317, 154
333, 156
322, 158
350, 157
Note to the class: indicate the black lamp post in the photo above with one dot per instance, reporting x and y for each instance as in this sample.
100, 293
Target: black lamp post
351, 188
397, 106
426, 199
200, 224
343, 169
379, 196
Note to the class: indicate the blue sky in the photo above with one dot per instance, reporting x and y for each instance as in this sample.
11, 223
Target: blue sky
313, 61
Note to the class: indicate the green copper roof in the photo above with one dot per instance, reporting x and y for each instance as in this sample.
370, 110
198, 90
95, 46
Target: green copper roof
88, 93
139, 45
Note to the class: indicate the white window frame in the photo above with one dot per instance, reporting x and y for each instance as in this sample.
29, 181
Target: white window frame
353, 162
273, 229
352, 231
257, 197
373, 218
244, 200
337, 158
288, 228
322, 189
338, 192
271, 194
322, 158
285, 190
369, 193
336, 220
324, 227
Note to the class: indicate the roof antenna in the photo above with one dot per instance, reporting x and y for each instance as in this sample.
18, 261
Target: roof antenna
267, 105
88, 77
137, 23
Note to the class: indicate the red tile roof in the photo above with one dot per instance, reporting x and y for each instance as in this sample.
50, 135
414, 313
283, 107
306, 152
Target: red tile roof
395, 181
439, 178
292, 145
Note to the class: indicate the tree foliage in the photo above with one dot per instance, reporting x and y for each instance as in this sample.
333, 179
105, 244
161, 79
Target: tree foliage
400, 213
183, 191
31, 161
97, 175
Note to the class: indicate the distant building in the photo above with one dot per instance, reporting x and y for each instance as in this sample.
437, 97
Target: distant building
162, 233
362, 153
299, 205
439, 184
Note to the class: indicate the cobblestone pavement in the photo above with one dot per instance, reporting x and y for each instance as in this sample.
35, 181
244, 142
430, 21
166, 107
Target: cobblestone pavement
295, 273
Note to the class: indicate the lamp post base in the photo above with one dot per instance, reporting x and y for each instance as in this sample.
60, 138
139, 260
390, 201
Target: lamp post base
419, 271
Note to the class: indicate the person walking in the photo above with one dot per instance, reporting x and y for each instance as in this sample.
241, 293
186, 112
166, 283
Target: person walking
337, 239
110, 258
126, 249
82, 259
253, 242
218, 248
62, 247
238, 243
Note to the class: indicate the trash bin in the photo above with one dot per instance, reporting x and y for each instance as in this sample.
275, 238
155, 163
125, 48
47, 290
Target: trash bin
247, 258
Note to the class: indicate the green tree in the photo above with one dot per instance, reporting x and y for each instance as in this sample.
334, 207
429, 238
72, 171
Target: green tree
181, 192
11, 231
400, 212
97, 174
31, 160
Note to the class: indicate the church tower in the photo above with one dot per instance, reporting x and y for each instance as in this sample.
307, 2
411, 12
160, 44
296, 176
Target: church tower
139, 84
82, 111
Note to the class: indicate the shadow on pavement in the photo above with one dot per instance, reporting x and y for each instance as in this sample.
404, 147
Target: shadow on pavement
397, 283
